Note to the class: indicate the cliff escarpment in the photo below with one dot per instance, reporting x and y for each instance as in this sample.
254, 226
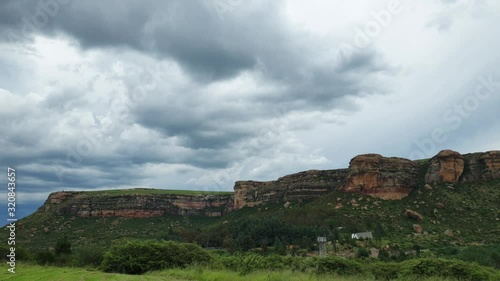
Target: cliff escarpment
137, 204
303, 185
388, 178
382, 177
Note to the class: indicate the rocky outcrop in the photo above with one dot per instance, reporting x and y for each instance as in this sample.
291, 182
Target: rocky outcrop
382, 177
491, 162
446, 167
58, 197
139, 205
300, 186
481, 166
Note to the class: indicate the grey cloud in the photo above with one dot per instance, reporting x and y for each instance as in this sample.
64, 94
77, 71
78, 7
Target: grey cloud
191, 33
187, 124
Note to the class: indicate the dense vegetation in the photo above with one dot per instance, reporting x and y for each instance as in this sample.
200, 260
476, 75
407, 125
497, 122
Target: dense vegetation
136, 257
139, 257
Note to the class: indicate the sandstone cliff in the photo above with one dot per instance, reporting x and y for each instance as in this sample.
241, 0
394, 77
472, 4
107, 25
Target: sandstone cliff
481, 166
446, 167
371, 174
303, 185
138, 205
386, 178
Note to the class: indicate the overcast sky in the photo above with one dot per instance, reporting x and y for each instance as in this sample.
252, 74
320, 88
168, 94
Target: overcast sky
199, 94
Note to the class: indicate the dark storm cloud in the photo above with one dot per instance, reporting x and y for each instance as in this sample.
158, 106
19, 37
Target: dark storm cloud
197, 125
189, 32
186, 125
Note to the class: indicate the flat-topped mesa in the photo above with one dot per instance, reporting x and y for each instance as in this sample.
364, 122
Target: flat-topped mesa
371, 174
137, 205
382, 177
304, 185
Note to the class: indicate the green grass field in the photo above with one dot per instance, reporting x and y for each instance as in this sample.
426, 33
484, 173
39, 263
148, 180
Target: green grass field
27, 272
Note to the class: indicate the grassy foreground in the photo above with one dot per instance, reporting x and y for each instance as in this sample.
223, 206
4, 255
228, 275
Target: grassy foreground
27, 272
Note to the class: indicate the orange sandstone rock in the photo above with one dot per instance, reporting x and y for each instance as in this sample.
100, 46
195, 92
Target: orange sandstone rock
446, 167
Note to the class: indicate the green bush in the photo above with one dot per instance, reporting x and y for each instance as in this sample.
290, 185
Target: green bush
483, 255
45, 257
385, 270
415, 268
137, 257
384, 255
448, 269
248, 262
363, 253
89, 255
338, 266
63, 246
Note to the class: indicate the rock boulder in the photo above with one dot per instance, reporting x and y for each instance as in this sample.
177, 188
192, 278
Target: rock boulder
413, 215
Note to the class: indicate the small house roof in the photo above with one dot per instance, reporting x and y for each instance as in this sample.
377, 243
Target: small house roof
363, 234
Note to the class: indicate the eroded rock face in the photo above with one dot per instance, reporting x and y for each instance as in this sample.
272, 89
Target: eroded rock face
87, 204
491, 162
482, 166
446, 167
304, 185
58, 197
382, 177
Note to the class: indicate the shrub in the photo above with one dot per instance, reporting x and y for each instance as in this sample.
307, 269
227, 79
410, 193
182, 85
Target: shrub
385, 270
89, 255
383, 255
248, 262
483, 255
363, 253
448, 269
137, 257
339, 266
63, 246
45, 257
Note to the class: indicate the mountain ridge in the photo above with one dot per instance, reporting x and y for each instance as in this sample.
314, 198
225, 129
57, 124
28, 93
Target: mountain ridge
388, 178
